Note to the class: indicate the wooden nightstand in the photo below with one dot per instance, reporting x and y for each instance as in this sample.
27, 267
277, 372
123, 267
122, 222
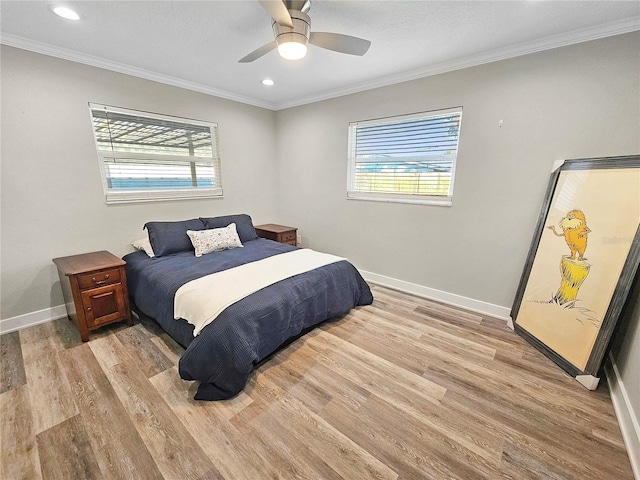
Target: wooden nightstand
95, 292
279, 233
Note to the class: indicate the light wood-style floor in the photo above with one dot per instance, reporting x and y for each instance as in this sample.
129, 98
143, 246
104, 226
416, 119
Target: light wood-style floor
405, 388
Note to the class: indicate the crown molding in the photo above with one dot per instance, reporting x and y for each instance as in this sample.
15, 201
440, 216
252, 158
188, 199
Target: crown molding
73, 56
627, 25
577, 36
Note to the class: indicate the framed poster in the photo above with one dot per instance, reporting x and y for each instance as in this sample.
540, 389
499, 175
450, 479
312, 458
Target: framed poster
581, 263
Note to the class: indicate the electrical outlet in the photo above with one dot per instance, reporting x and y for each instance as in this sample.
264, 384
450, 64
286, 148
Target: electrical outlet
299, 239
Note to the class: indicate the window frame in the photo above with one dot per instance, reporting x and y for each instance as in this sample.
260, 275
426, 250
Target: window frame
138, 195
394, 197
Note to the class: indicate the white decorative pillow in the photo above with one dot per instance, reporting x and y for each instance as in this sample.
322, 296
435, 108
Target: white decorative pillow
144, 244
215, 239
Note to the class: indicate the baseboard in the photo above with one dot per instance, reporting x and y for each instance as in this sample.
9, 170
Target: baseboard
625, 414
438, 295
33, 318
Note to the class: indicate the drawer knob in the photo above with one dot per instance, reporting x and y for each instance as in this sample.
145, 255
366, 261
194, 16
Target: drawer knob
88, 309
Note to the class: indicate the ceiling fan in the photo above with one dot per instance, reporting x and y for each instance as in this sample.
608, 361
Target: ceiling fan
292, 30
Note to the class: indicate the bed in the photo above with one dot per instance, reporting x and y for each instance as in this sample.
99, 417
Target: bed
222, 354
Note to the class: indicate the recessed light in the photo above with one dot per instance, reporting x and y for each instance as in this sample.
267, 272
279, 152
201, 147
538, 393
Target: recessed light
65, 12
268, 82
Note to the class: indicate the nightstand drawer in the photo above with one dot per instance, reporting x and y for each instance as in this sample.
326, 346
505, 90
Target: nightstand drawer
278, 233
288, 237
97, 279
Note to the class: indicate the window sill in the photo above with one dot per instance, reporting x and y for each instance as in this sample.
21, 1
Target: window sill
142, 196
410, 199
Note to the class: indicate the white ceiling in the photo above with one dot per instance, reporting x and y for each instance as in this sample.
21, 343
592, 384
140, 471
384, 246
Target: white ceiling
197, 44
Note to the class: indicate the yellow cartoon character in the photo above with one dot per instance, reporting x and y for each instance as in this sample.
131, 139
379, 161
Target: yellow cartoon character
575, 231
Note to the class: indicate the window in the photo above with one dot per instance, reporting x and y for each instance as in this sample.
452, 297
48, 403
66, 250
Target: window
148, 157
410, 158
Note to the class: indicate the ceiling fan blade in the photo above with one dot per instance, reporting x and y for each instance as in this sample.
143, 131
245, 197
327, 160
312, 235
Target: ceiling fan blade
278, 11
340, 43
256, 54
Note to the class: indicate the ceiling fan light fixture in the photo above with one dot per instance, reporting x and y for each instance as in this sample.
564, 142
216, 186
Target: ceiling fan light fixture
292, 31
292, 50
292, 42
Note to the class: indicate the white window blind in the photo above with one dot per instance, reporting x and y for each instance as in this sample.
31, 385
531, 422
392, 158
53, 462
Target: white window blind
150, 157
409, 158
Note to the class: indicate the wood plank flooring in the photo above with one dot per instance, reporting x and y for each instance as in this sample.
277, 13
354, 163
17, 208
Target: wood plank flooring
403, 389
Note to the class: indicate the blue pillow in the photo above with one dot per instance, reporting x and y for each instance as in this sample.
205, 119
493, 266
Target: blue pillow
171, 237
244, 225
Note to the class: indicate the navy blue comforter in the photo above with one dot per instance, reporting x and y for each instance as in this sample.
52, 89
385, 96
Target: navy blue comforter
223, 355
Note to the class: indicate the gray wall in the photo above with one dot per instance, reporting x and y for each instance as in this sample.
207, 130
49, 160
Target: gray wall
572, 102
290, 167
628, 355
626, 351
52, 199
627, 360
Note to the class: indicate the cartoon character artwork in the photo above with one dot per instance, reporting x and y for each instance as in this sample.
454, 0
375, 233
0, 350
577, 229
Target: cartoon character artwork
582, 262
575, 231
573, 268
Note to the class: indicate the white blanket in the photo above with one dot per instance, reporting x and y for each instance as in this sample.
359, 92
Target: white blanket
200, 301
